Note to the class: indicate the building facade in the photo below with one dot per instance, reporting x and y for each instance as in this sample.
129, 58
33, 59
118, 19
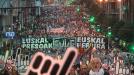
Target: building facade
118, 9
5, 15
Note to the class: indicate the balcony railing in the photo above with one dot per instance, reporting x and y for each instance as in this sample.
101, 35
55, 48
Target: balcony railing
4, 4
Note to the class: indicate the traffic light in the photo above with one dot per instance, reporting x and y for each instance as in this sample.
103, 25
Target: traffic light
131, 48
78, 9
98, 29
83, 19
91, 19
109, 33
125, 8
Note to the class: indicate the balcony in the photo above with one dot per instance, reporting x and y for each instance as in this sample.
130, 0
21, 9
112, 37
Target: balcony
4, 4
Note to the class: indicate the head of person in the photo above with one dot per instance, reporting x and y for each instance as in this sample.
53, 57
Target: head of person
95, 63
72, 71
105, 66
84, 69
89, 67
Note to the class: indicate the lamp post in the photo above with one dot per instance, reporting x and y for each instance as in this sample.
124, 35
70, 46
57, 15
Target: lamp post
106, 0
103, 3
120, 9
119, 0
109, 34
100, 3
100, 0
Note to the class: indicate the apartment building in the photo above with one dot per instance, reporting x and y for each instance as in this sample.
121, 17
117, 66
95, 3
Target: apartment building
118, 9
5, 15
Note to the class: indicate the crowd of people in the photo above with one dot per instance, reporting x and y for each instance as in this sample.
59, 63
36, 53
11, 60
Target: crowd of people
95, 67
9, 68
66, 20
70, 24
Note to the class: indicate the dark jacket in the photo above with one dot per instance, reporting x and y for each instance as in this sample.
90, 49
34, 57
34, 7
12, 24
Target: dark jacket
106, 72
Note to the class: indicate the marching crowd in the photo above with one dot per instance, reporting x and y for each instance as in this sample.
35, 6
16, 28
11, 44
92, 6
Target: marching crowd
72, 26
65, 20
8, 68
95, 67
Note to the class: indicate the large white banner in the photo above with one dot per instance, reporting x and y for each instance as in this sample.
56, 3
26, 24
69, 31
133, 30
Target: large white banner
84, 42
41, 43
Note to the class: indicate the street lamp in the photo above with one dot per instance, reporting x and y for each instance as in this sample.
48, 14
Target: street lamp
106, 0
100, 0
9, 28
119, 0
103, 1
109, 34
120, 9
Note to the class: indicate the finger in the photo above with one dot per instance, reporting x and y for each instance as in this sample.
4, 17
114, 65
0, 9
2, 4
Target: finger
46, 66
55, 69
68, 59
39, 65
35, 64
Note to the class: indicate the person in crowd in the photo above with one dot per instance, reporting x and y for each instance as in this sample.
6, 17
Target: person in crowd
112, 69
89, 67
78, 69
106, 69
9, 68
73, 71
96, 67
84, 69
132, 72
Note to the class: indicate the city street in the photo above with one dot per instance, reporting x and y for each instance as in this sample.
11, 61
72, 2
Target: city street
67, 37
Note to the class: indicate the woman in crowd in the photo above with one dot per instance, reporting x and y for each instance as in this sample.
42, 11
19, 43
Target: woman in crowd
73, 71
96, 67
84, 69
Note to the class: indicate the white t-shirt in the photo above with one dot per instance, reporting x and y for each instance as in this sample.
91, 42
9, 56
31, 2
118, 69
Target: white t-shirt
100, 72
